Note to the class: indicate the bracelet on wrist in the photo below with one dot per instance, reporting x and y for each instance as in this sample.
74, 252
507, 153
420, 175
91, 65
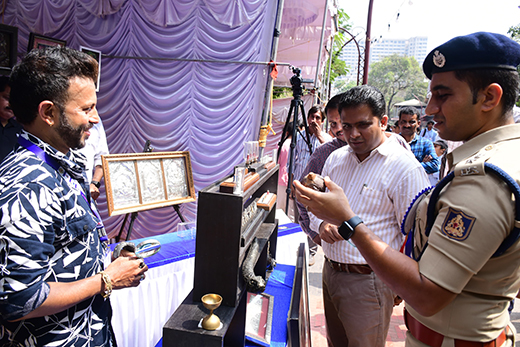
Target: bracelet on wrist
96, 183
108, 284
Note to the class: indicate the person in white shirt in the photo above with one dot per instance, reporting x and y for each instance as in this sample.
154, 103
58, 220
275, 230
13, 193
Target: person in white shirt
95, 147
315, 118
380, 178
429, 132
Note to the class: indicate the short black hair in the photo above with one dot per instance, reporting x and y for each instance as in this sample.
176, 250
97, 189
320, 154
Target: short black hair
45, 74
317, 109
410, 110
364, 95
479, 79
333, 103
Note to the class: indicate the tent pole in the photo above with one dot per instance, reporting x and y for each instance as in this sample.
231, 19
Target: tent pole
321, 46
270, 81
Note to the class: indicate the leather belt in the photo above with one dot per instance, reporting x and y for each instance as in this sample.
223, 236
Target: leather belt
349, 268
434, 339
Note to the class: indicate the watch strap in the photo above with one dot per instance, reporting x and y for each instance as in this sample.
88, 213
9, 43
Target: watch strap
96, 183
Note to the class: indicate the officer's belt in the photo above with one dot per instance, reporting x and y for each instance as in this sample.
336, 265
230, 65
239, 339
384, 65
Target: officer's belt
434, 339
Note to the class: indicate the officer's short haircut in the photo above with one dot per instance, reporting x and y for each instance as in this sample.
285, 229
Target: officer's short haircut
478, 79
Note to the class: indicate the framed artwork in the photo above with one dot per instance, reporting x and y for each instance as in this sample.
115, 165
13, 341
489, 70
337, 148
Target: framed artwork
259, 318
298, 319
39, 41
8, 48
96, 55
143, 181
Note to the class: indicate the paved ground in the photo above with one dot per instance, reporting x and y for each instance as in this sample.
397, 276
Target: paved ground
396, 333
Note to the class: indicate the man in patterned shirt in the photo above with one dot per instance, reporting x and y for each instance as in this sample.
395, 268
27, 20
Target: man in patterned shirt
53, 289
421, 147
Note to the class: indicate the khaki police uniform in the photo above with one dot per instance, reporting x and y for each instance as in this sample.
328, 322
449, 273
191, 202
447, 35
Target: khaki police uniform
474, 213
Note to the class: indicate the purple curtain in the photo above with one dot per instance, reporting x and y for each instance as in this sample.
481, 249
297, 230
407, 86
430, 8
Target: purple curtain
208, 109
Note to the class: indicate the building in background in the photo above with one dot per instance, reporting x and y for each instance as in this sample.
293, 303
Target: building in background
380, 48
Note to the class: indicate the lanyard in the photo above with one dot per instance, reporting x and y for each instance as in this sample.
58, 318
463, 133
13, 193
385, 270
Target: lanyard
73, 184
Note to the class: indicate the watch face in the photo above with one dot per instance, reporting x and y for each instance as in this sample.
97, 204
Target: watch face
346, 231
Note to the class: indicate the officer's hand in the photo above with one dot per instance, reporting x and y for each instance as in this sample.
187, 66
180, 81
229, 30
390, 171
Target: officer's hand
332, 206
126, 271
329, 233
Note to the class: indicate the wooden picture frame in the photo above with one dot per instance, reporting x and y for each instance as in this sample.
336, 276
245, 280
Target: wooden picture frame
96, 55
39, 41
143, 181
298, 319
259, 318
8, 48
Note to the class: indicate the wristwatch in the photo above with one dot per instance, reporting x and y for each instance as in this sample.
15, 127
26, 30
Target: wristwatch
346, 230
96, 183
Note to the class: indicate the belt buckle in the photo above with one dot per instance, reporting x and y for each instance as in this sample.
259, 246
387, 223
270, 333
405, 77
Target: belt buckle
334, 265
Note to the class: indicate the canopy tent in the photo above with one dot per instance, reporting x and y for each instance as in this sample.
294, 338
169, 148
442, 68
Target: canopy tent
172, 71
301, 35
419, 105
411, 102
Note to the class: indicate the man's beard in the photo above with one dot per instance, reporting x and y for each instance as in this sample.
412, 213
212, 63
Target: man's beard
72, 136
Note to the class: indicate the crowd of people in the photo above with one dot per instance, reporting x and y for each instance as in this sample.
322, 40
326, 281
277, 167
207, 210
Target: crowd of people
450, 252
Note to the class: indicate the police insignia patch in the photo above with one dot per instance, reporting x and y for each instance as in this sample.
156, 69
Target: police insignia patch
457, 225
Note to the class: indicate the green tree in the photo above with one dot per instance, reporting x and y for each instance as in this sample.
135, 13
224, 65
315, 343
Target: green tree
338, 66
514, 32
398, 77
342, 85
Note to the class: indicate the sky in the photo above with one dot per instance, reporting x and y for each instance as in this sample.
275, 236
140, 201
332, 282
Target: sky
439, 20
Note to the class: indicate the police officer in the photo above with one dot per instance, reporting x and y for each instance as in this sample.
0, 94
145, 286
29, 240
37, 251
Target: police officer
456, 291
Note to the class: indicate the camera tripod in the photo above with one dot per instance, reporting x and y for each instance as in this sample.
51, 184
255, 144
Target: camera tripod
296, 104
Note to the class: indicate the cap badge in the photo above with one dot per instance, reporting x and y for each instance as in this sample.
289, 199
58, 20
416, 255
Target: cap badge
438, 59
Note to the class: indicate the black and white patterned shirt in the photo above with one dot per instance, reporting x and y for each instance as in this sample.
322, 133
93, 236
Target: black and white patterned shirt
47, 234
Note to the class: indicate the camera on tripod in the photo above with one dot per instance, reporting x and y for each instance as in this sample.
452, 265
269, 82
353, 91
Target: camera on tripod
296, 82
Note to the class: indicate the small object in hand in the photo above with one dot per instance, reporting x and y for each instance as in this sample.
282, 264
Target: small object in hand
314, 181
141, 265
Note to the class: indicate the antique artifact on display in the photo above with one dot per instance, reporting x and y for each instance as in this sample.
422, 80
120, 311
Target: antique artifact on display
211, 302
143, 181
267, 201
259, 318
314, 181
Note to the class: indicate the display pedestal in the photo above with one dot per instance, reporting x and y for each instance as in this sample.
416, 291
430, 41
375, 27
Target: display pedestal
227, 226
182, 332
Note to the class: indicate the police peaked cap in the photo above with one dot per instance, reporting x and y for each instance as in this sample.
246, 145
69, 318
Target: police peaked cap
474, 51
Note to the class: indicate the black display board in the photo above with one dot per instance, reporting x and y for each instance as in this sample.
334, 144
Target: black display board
223, 240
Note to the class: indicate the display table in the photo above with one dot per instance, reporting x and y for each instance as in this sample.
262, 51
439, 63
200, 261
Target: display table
141, 312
